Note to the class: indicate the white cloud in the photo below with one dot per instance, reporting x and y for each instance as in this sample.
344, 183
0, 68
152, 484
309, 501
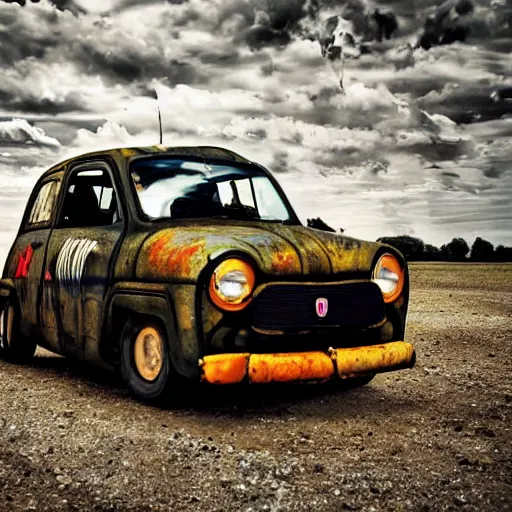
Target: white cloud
19, 131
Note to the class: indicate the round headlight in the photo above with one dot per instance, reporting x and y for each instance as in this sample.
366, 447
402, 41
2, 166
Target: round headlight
231, 284
389, 276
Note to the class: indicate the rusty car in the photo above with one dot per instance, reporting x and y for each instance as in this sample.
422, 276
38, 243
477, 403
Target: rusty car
176, 264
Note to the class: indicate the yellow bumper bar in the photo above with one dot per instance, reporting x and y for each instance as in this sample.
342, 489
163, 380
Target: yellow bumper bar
300, 366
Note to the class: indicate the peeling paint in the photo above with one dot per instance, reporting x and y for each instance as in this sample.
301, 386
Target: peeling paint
285, 262
71, 262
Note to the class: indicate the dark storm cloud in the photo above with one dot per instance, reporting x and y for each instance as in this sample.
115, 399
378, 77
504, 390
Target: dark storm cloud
280, 15
472, 104
113, 54
22, 100
128, 64
52, 37
127, 4
64, 130
69, 5
280, 162
20, 39
263, 23
43, 106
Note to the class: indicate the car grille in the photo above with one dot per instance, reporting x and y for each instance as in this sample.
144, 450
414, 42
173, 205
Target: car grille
292, 306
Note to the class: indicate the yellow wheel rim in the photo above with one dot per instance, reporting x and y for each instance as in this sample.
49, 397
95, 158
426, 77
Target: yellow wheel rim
148, 353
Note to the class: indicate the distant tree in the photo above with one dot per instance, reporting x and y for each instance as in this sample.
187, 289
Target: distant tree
412, 248
456, 250
432, 253
482, 250
503, 254
318, 223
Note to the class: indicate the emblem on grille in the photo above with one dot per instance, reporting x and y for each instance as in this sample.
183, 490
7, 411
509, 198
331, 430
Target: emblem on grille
321, 307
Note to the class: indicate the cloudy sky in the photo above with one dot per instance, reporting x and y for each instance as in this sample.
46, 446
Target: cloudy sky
413, 145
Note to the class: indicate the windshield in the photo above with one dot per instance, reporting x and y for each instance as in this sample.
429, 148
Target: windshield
183, 189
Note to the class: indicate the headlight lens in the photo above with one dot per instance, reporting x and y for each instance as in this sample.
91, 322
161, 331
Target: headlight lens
389, 276
231, 284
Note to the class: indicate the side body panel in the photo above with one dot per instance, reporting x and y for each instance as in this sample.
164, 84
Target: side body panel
78, 263
78, 274
25, 263
25, 267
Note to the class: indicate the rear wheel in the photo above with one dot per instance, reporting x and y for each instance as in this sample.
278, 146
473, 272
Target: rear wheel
146, 365
14, 346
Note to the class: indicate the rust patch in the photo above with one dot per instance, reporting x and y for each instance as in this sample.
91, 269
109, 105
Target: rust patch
264, 368
179, 259
224, 368
157, 248
304, 366
285, 262
167, 255
373, 359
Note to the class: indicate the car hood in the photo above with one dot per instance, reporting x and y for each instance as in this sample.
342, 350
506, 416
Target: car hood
182, 252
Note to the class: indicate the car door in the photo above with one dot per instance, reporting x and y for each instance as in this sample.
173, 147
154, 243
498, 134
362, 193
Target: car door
25, 261
81, 253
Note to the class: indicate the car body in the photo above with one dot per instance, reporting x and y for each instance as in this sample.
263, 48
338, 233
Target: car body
174, 263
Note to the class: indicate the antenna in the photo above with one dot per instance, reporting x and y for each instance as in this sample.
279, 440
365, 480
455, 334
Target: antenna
159, 116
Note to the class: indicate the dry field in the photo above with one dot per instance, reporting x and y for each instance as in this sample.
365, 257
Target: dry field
438, 437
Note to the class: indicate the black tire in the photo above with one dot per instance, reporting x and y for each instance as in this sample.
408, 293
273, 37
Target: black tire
164, 387
14, 346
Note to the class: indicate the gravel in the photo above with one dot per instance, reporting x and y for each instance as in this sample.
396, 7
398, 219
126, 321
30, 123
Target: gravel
437, 437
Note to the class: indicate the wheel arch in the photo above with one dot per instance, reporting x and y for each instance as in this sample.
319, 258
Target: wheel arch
6, 291
132, 306
8, 294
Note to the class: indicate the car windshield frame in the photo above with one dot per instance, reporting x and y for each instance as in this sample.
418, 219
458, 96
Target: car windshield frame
252, 170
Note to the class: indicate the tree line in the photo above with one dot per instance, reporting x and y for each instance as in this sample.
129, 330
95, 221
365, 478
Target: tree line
414, 249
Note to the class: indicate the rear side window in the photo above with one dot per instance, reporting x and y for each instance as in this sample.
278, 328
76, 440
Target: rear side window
90, 200
44, 204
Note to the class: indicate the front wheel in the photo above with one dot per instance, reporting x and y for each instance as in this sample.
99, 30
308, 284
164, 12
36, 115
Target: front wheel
14, 346
146, 365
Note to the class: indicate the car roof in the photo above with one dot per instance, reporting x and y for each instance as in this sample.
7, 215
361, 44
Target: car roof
204, 152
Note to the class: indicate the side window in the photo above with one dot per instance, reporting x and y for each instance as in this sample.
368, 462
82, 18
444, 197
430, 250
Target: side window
90, 200
270, 205
236, 190
42, 209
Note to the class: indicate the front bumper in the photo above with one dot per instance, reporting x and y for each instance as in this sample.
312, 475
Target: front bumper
307, 366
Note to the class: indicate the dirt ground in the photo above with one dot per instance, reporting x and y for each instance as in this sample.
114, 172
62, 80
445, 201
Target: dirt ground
437, 437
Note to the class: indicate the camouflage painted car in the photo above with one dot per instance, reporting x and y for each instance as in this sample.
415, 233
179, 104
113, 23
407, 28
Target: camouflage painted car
176, 263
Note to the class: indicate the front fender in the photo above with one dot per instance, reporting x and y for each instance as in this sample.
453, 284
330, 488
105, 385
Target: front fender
170, 305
